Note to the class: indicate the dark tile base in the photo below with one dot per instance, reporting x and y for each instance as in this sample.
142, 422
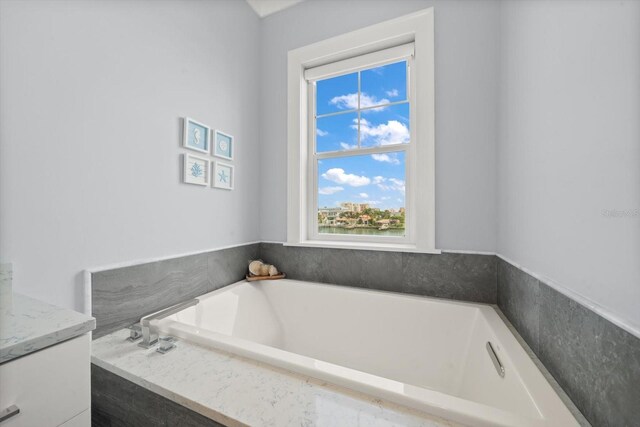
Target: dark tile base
594, 361
518, 298
116, 402
466, 277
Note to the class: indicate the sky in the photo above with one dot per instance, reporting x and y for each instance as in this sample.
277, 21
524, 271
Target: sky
377, 179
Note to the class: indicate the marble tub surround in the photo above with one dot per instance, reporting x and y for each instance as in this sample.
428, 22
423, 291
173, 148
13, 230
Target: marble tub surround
121, 296
596, 362
234, 391
460, 276
31, 325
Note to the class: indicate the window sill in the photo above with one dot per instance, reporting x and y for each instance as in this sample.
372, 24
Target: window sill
389, 247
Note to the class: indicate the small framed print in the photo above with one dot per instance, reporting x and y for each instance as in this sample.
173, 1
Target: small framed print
222, 175
196, 170
223, 145
196, 136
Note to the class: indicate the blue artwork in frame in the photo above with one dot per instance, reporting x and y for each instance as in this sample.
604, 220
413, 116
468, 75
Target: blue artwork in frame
222, 175
196, 136
196, 170
223, 145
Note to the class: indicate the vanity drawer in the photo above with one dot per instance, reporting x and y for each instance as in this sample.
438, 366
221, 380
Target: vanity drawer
50, 386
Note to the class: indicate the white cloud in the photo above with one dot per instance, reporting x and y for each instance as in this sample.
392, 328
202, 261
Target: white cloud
389, 184
386, 158
350, 101
397, 184
393, 132
346, 146
364, 195
338, 176
329, 190
392, 93
320, 132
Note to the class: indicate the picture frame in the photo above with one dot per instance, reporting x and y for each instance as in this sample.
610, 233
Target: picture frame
196, 136
223, 145
222, 175
196, 170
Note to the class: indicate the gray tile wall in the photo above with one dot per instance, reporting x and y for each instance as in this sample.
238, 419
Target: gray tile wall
122, 296
465, 277
594, 361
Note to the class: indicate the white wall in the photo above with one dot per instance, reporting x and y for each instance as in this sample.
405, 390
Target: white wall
570, 148
92, 93
466, 107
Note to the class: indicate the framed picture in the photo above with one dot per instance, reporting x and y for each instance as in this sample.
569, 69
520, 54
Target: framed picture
196, 136
196, 170
223, 145
222, 175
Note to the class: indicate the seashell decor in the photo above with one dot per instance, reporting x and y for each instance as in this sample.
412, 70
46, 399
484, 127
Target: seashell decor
254, 267
259, 268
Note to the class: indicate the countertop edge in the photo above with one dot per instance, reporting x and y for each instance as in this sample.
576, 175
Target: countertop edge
34, 344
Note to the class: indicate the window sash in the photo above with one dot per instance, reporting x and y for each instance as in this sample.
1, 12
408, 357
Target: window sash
312, 93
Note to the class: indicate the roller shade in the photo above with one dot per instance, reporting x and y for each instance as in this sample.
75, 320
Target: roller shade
361, 62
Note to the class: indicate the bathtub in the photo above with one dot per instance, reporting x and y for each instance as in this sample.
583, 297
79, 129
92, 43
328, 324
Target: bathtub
425, 353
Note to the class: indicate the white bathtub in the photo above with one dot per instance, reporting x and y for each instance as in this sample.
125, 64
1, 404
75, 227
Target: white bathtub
425, 353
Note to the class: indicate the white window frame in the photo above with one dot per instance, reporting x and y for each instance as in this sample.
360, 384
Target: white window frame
361, 49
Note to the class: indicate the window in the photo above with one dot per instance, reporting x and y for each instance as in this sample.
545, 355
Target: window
360, 164
360, 139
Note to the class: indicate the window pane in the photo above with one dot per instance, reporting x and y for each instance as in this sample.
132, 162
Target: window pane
385, 126
339, 132
337, 94
384, 84
362, 195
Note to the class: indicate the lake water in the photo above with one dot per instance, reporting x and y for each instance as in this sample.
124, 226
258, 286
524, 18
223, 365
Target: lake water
368, 231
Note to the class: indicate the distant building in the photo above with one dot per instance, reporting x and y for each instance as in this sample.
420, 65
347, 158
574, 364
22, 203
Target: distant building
332, 216
354, 207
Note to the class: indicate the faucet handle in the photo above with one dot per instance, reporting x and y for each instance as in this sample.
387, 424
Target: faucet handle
166, 344
135, 332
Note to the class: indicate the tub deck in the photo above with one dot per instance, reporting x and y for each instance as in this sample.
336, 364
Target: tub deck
235, 391
424, 353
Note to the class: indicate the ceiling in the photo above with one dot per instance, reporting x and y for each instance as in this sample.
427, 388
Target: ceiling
267, 7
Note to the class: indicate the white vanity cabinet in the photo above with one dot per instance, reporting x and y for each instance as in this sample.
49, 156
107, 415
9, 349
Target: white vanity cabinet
51, 387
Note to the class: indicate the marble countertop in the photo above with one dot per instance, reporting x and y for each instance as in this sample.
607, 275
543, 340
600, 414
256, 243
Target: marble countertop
236, 391
28, 325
